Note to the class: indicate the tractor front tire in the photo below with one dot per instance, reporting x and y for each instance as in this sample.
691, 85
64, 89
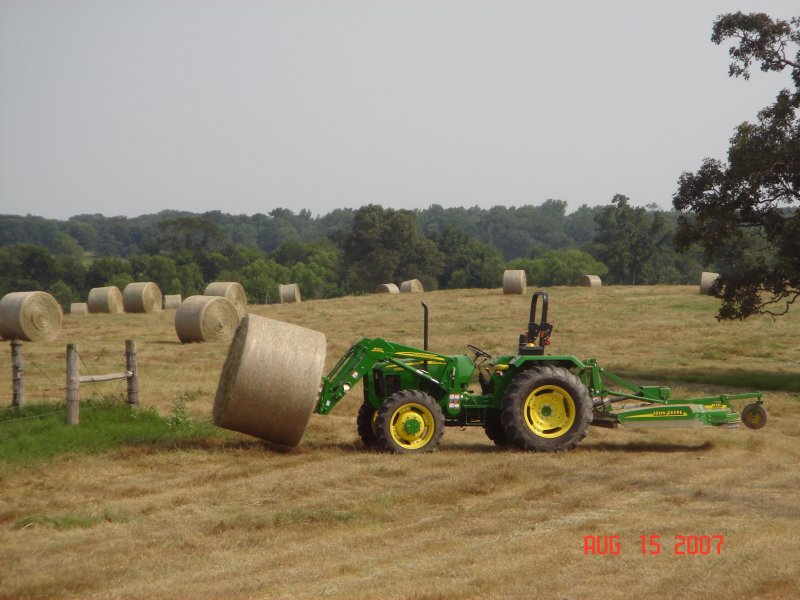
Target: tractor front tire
546, 409
365, 423
409, 421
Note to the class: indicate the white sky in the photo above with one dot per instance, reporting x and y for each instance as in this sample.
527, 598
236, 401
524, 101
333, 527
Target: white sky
131, 107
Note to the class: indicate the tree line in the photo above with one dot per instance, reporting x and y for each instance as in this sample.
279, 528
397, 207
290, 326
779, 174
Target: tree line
344, 252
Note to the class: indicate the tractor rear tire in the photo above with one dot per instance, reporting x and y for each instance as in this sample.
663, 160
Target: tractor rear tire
546, 409
493, 425
365, 423
409, 421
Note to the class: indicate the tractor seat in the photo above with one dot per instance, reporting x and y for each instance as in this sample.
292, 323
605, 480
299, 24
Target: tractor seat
530, 350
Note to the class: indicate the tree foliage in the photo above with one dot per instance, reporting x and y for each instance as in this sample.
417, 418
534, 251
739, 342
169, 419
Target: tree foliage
385, 245
468, 262
743, 212
627, 240
190, 233
559, 267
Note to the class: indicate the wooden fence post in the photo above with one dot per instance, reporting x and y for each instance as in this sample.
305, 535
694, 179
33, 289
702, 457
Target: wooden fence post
73, 383
133, 378
17, 382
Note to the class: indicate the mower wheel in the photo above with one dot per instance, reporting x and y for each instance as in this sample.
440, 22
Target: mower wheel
754, 416
365, 423
493, 425
546, 409
409, 421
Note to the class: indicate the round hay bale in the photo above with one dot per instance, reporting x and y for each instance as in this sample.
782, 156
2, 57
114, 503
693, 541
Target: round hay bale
412, 286
289, 293
591, 281
206, 319
141, 297
270, 381
79, 308
707, 280
30, 316
387, 288
514, 281
105, 300
232, 291
172, 301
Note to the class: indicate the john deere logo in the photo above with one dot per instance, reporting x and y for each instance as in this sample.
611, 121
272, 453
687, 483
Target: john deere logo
669, 413
660, 413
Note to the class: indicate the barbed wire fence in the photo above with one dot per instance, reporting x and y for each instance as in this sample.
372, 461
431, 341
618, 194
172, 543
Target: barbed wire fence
65, 397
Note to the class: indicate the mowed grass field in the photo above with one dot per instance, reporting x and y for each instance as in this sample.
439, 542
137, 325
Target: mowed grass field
231, 517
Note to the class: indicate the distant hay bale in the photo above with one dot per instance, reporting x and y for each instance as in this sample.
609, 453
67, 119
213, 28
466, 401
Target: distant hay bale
387, 288
105, 300
514, 281
141, 297
412, 286
206, 319
30, 317
591, 281
270, 381
289, 293
172, 301
707, 280
79, 308
232, 291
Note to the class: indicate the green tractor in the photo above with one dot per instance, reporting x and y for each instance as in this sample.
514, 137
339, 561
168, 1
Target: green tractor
530, 400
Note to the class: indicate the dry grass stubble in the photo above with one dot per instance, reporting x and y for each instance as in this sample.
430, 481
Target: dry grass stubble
239, 519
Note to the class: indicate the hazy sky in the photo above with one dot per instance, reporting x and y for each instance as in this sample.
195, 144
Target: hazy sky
132, 107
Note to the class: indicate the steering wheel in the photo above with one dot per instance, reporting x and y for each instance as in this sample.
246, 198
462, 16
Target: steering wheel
478, 352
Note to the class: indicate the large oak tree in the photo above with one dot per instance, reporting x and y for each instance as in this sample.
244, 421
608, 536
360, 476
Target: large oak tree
743, 212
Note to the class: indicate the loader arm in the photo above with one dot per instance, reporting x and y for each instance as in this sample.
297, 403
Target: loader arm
360, 359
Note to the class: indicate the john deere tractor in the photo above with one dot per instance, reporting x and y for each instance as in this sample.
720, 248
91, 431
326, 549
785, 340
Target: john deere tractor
530, 400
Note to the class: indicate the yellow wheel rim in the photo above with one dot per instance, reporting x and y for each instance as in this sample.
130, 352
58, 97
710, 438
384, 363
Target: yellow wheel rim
412, 426
754, 417
549, 411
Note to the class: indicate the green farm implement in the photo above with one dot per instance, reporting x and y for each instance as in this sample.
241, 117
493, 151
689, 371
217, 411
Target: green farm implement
530, 400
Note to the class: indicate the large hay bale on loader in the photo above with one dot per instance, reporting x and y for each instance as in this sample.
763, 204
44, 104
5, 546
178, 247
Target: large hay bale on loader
270, 381
707, 280
105, 300
30, 317
206, 319
514, 281
231, 290
142, 297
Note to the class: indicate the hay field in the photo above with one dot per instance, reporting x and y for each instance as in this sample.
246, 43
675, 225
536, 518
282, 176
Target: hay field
234, 518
